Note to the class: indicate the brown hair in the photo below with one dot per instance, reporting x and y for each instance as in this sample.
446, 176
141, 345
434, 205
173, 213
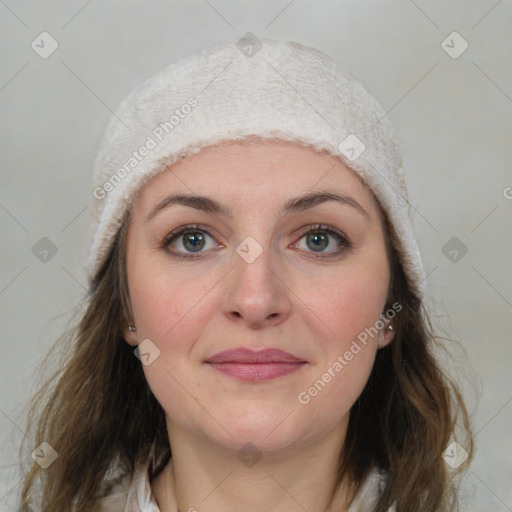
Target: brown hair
99, 414
408, 412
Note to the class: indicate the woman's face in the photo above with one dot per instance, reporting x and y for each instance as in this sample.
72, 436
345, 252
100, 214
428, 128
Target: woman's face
249, 267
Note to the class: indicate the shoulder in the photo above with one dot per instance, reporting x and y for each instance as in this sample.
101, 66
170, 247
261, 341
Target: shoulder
369, 493
116, 495
127, 494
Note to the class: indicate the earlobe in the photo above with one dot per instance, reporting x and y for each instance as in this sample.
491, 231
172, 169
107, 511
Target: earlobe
386, 337
130, 335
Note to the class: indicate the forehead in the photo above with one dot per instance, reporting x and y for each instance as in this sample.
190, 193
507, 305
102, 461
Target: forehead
256, 171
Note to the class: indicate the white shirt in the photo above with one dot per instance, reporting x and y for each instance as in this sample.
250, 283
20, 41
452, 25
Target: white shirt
138, 496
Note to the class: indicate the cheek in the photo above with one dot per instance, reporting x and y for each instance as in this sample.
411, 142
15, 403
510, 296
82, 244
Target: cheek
348, 305
171, 313
347, 354
349, 302
332, 394
165, 303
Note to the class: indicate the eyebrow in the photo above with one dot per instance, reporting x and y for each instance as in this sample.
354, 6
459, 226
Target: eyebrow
300, 203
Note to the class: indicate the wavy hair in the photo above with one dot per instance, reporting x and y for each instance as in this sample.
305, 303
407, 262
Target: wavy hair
98, 412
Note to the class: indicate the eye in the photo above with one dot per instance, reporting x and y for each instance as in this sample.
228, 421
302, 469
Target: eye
319, 239
192, 239
188, 240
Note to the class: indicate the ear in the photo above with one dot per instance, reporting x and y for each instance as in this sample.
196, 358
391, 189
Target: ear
130, 336
385, 336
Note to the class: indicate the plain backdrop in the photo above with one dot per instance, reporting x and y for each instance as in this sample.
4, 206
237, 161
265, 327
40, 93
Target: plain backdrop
451, 107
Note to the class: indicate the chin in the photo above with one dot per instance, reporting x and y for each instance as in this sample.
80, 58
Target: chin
267, 429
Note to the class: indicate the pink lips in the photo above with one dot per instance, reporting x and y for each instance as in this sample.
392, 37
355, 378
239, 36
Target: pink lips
248, 365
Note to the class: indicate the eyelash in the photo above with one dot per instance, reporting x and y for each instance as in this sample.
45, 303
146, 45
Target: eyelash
317, 228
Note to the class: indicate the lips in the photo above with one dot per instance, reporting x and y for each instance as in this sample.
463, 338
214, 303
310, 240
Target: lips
244, 355
248, 365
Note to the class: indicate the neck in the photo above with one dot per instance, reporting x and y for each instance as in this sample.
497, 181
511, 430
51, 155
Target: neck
203, 475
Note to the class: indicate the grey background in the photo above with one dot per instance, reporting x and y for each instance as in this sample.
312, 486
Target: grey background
453, 118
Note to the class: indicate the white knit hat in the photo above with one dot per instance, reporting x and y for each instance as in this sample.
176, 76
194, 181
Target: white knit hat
268, 88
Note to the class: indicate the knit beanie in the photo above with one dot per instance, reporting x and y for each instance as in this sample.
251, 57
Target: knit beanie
252, 87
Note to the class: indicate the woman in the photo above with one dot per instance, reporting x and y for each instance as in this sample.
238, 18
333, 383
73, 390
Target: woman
255, 336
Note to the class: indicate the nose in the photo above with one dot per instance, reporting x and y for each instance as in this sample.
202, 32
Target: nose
257, 293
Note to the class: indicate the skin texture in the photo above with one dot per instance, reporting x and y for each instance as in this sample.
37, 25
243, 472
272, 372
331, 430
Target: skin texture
194, 307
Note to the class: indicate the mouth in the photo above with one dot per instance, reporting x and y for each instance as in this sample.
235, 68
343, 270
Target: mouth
249, 365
